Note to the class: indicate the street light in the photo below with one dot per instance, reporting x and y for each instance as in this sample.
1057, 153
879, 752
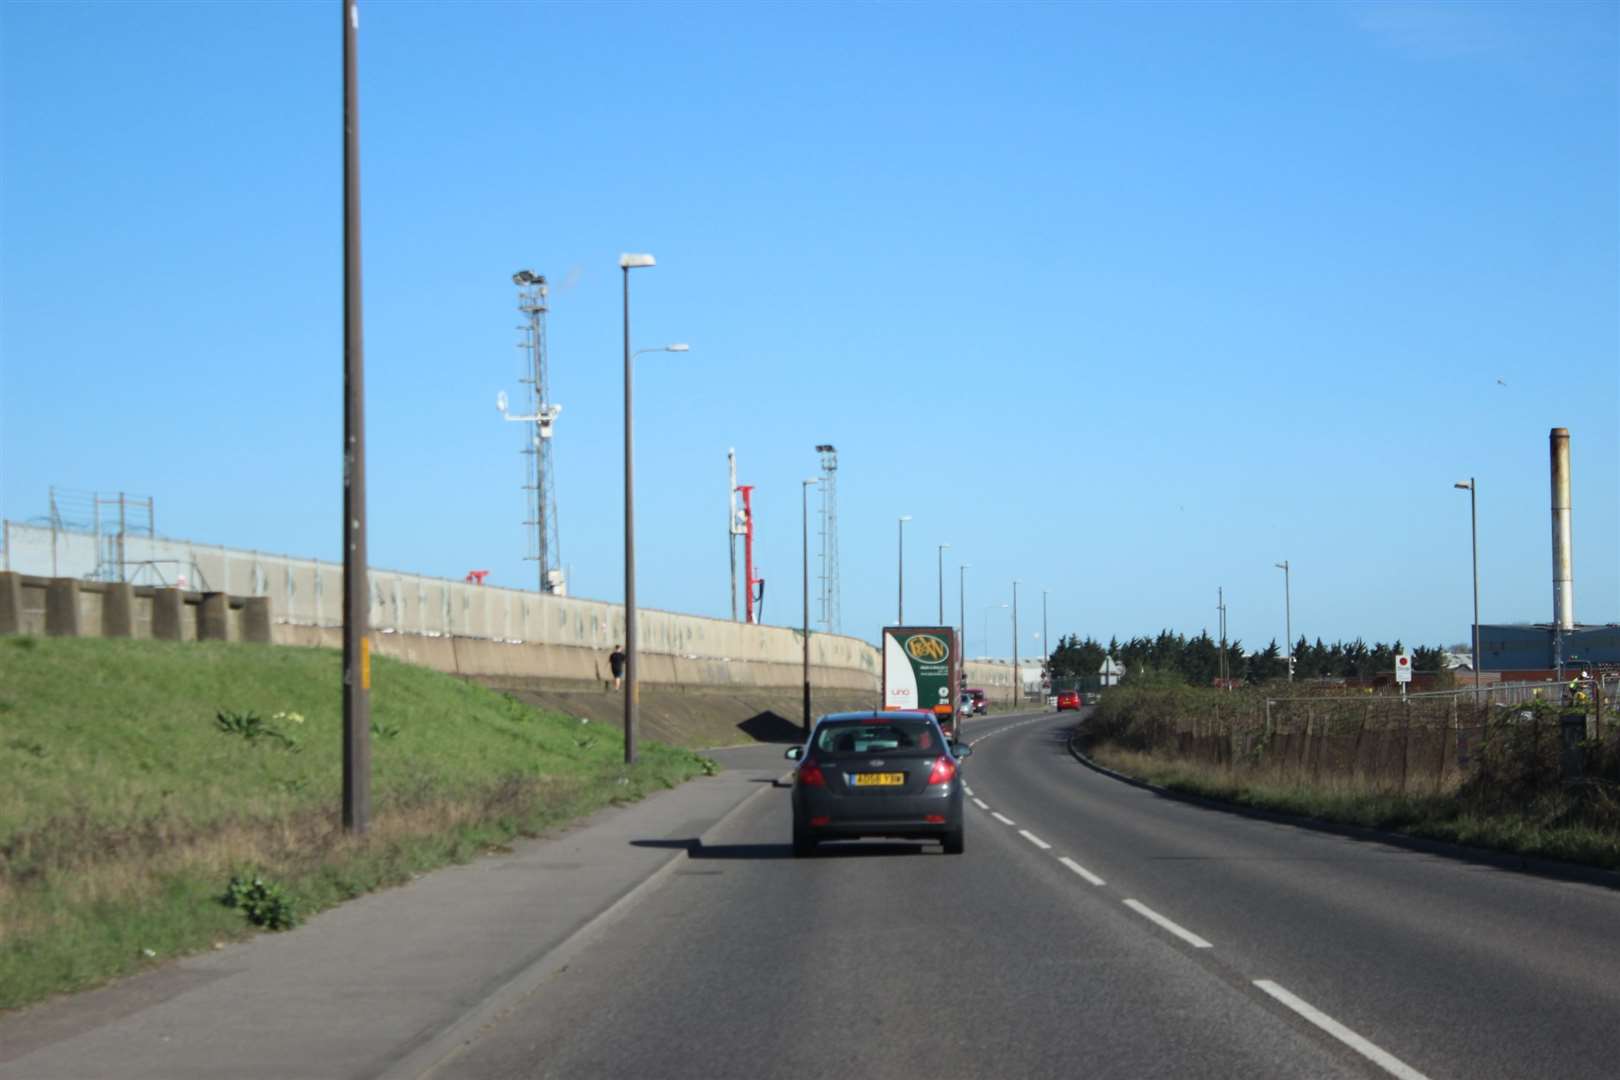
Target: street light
1046, 646
1288, 614
632, 696
942, 548
1473, 530
1017, 676
356, 590
900, 618
988, 609
804, 498
961, 610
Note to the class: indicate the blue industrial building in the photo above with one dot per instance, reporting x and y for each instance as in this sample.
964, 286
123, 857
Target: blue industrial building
1530, 646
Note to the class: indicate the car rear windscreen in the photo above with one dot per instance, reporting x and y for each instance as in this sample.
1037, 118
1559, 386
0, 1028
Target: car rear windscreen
893, 737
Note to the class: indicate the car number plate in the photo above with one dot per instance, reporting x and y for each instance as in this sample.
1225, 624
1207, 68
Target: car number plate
879, 779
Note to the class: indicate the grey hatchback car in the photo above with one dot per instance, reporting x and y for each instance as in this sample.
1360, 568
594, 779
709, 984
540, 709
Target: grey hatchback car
891, 774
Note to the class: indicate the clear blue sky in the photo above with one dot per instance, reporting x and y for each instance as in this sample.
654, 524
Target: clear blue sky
1130, 302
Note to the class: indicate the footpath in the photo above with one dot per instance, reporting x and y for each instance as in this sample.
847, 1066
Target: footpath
389, 984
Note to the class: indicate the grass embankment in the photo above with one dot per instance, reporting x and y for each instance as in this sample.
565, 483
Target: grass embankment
1516, 807
126, 807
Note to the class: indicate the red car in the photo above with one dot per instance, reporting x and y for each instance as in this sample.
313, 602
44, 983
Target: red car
1068, 699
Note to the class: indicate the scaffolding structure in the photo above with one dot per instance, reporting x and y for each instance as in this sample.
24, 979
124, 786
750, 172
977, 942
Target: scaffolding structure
830, 614
539, 481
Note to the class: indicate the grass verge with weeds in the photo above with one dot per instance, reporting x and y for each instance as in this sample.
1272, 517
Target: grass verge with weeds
1552, 825
128, 805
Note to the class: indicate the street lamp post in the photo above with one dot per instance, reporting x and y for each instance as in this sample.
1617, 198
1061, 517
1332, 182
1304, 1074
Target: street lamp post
942, 548
632, 697
356, 590
986, 627
1288, 614
804, 498
961, 611
1017, 678
1046, 644
900, 616
1473, 530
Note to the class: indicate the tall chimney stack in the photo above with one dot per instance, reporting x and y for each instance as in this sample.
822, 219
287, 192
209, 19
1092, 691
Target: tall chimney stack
1563, 569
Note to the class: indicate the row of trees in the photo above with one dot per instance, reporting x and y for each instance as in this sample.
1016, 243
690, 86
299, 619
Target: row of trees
1197, 660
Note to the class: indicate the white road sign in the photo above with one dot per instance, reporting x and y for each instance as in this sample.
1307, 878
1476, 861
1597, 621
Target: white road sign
1403, 668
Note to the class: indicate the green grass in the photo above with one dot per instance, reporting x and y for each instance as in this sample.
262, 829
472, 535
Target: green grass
125, 810
1552, 825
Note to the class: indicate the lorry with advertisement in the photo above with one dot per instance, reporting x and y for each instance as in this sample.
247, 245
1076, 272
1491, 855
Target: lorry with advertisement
922, 669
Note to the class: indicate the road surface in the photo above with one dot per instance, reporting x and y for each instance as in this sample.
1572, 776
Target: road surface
1091, 929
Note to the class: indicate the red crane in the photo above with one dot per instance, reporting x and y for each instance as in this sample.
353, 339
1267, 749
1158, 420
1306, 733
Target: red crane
748, 553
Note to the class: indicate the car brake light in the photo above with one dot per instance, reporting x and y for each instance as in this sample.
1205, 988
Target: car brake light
810, 775
934, 819
820, 821
943, 772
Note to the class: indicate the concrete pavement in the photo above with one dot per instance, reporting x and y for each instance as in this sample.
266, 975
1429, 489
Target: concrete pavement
385, 984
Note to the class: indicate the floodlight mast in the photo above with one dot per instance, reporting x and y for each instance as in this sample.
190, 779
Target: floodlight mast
540, 486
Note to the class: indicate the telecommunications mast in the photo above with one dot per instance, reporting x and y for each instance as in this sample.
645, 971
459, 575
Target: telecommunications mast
830, 615
539, 483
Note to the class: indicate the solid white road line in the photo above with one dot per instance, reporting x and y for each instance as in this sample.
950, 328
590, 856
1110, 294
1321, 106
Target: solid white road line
1032, 838
981, 804
1383, 1059
1082, 871
1003, 818
1153, 916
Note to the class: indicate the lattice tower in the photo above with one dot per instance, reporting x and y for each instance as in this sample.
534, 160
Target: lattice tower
540, 485
831, 616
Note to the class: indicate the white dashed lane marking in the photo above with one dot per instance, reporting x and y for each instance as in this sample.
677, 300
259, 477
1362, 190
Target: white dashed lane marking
1154, 917
1082, 871
1382, 1058
981, 804
1369, 1050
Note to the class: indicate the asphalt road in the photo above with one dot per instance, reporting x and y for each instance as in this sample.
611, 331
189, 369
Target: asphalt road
1091, 929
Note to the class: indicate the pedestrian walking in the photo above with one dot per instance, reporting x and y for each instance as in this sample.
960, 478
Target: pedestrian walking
616, 662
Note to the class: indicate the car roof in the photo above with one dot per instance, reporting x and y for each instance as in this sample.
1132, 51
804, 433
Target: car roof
874, 714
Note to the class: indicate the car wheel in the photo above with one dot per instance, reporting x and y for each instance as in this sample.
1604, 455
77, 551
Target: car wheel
954, 841
804, 845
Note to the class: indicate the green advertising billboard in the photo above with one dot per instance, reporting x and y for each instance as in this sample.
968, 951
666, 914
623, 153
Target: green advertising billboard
919, 668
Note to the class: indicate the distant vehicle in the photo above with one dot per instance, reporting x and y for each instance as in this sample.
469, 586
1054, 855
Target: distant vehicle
890, 773
1068, 699
964, 706
981, 702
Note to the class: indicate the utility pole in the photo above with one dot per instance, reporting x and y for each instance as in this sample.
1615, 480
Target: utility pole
1288, 615
1473, 531
1220, 607
356, 591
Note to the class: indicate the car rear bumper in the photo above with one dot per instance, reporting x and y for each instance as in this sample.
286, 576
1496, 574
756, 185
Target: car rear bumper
898, 816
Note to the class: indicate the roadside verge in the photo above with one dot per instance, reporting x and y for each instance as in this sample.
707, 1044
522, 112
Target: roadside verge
1543, 867
391, 983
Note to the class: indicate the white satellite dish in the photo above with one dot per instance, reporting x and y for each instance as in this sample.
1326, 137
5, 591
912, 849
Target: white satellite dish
500, 401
